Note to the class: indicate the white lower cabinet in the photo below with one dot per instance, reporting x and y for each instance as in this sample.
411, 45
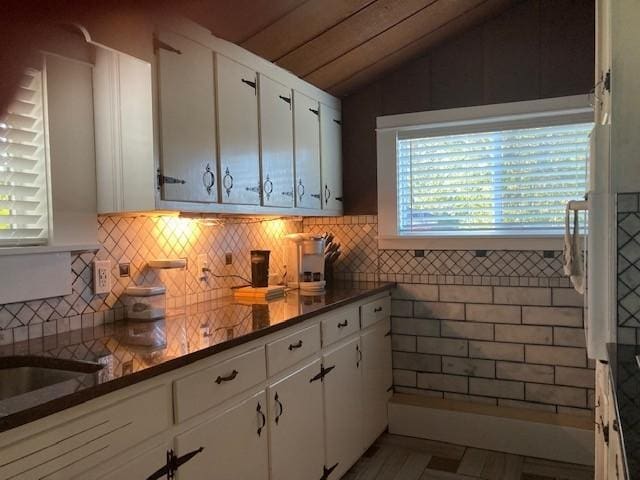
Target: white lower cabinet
296, 425
322, 404
342, 386
376, 379
234, 444
150, 465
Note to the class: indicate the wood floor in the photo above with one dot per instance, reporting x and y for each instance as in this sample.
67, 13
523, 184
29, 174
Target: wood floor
394, 457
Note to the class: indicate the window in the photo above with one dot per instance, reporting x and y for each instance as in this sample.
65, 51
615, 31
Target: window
23, 170
500, 171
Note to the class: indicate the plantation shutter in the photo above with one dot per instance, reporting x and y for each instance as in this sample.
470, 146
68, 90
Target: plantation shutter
508, 182
23, 171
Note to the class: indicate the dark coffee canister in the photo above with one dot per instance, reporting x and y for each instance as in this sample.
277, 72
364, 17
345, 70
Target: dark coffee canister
259, 268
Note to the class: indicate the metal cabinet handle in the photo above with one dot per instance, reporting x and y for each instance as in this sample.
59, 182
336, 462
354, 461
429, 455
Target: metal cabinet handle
314, 111
294, 346
300, 190
359, 356
172, 464
338, 199
208, 179
287, 194
315, 195
262, 418
327, 193
377, 309
251, 83
227, 181
343, 324
285, 99
388, 334
268, 187
280, 407
228, 378
326, 472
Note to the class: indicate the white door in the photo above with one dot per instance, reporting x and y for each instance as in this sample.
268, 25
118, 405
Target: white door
306, 138
276, 143
296, 425
187, 120
342, 386
331, 158
376, 376
237, 94
151, 465
234, 444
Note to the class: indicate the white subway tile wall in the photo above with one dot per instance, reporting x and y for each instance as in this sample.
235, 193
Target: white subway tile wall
136, 240
497, 327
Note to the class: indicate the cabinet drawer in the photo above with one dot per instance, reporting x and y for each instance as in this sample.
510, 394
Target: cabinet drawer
375, 311
339, 324
291, 349
207, 388
84, 442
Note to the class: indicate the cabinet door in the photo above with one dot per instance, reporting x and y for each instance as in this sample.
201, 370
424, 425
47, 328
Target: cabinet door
331, 158
376, 375
306, 131
342, 387
237, 91
234, 444
276, 143
145, 465
296, 425
187, 120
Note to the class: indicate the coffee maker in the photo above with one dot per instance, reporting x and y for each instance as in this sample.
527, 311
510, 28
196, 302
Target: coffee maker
305, 262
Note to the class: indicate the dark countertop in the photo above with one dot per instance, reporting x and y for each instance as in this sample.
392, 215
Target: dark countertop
625, 374
132, 352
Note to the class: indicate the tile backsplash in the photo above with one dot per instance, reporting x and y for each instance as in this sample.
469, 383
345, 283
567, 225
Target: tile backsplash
136, 240
498, 327
628, 268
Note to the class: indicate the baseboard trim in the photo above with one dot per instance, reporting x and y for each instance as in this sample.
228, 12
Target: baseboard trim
557, 437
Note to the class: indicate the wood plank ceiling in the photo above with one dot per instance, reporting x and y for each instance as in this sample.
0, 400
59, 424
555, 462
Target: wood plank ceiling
339, 45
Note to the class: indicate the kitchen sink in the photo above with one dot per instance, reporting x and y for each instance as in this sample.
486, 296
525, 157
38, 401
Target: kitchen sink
23, 374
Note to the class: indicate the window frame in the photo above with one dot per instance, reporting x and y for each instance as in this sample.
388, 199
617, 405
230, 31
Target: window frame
527, 114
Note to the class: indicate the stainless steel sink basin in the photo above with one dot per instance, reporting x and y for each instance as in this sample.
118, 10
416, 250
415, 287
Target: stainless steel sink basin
23, 374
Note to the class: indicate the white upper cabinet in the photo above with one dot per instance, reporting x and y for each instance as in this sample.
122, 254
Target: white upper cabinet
276, 143
237, 94
125, 163
306, 129
331, 158
187, 120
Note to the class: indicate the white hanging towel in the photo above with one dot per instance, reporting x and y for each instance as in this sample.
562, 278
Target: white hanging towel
572, 255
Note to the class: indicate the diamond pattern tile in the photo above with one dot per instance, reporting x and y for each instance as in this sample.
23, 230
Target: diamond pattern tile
628, 262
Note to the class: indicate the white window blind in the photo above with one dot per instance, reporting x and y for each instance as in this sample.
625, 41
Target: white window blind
498, 183
23, 171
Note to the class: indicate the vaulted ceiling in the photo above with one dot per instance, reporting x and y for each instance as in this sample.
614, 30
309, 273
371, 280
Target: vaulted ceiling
339, 45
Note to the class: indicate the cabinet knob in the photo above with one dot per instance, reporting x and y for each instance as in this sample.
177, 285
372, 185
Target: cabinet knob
227, 181
268, 187
343, 324
208, 179
377, 309
300, 190
228, 378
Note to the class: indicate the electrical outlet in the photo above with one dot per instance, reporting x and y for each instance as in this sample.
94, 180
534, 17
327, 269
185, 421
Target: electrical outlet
101, 276
228, 258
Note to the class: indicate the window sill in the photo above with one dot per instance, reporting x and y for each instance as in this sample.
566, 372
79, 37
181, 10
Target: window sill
31, 250
397, 242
